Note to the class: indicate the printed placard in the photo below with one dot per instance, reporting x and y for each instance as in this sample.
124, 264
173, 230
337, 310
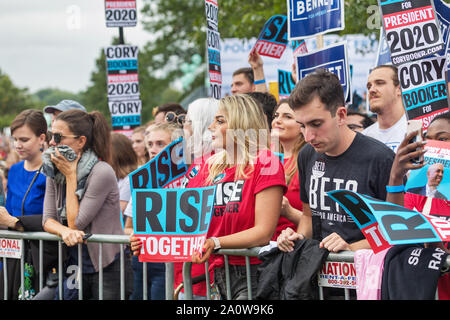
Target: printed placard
122, 72
120, 13
307, 18
442, 10
398, 225
433, 179
272, 40
424, 88
125, 114
165, 168
384, 55
212, 14
298, 47
363, 217
11, 248
172, 223
338, 275
285, 84
214, 67
411, 29
332, 58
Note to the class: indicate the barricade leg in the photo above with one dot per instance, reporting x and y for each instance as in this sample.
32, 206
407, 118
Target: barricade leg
227, 277
100, 271
208, 286
5, 279
169, 280
80, 272
187, 280
249, 278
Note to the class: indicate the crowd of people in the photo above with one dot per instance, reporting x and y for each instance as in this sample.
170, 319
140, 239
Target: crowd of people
73, 180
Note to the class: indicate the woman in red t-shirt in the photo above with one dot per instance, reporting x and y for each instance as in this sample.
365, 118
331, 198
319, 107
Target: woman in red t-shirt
288, 140
250, 185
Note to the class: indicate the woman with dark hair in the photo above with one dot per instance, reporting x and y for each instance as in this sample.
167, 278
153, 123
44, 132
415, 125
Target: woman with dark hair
82, 197
25, 199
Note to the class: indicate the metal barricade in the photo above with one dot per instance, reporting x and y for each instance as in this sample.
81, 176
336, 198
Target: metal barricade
44, 236
344, 256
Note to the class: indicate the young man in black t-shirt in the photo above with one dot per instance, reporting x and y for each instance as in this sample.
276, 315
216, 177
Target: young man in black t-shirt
335, 158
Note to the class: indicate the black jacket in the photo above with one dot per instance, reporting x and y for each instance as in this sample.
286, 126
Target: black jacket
291, 275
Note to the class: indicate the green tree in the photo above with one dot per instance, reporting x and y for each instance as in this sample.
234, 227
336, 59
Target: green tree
13, 100
51, 96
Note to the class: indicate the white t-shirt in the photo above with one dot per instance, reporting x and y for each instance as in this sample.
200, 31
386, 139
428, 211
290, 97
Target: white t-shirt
391, 137
124, 189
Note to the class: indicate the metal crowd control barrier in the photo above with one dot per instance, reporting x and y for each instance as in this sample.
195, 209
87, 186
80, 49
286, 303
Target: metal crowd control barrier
344, 256
44, 236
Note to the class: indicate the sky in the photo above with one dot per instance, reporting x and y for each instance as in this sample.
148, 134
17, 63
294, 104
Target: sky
54, 43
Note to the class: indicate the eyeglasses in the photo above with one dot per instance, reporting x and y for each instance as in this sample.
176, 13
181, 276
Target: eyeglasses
173, 117
58, 136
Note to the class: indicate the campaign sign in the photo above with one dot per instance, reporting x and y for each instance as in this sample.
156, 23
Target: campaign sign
11, 248
332, 58
164, 168
122, 72
172, 223
443, 16
212, 14
434, 177
214, 68
125, 114
285, 84
424, 88
411, 29
298, 47
398, 224
307, 18
120, 13
338, 275
384, 55
272, 40
363, 217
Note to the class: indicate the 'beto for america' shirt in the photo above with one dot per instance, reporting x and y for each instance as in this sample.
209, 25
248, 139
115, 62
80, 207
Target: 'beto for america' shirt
363, 168
234, 205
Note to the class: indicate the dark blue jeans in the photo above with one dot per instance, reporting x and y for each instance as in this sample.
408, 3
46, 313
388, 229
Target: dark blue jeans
156, 280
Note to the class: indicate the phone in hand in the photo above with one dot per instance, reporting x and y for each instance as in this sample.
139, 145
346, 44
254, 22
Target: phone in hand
415, 125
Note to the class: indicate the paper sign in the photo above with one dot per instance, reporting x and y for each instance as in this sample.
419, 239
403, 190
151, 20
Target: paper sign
163, 169
172, 223
307, 18
363, 217
125, 114
424, 88
332, 58
272, 40
285, 84
120, 13
398, 224
213, 48
338, 275
411, 29
435, 175
11, 248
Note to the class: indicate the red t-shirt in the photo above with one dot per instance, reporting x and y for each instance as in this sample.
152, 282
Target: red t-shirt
293, 195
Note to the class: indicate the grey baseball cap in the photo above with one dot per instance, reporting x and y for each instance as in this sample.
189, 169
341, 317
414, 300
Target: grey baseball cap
64, 105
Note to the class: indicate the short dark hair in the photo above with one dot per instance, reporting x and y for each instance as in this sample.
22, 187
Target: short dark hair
442, 116
320, 83
367, 121
394, 69
34, 119
247, 72
267, 102
171, 106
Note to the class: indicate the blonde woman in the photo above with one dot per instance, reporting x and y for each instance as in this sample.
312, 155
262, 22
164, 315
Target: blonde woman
250, 185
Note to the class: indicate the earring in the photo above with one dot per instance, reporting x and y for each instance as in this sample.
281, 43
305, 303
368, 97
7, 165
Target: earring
41, 149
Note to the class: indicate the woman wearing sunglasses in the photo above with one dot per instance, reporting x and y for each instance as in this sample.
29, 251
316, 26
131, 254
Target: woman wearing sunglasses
83, 197
175, 118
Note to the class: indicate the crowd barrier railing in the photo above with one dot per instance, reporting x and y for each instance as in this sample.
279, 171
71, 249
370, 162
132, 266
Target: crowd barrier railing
345, 257
341, 257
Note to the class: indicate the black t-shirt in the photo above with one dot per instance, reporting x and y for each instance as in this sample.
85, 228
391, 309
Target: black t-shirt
363, 168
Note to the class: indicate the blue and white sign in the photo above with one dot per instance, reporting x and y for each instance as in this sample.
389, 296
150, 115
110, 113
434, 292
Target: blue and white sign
333, 59
384, 55
443, 17
307, 18
272, 40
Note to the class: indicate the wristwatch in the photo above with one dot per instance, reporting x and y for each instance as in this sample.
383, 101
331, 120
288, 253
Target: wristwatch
216, 244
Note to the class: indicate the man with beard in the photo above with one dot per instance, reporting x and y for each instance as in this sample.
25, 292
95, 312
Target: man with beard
385, 99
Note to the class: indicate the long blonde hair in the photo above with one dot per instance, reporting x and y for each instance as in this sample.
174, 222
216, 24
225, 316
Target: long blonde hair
247, 134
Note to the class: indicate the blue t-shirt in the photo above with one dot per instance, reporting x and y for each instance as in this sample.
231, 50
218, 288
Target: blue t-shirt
19, 180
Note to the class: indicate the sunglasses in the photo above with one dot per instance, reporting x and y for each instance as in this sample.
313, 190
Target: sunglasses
173, 117
58, 136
